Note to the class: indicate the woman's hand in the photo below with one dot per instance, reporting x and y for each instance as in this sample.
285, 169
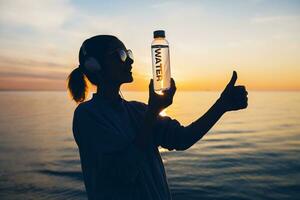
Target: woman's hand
233, 97
157, 102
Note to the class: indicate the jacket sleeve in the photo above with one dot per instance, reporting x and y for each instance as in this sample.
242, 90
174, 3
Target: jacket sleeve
116, 158
169, 134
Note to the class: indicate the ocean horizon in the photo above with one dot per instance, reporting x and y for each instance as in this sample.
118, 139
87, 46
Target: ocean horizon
249, 154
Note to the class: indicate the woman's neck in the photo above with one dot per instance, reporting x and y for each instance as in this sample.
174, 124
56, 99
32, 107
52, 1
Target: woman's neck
109, 92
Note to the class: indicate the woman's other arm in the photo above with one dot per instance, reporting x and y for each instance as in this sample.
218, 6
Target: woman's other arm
179, 137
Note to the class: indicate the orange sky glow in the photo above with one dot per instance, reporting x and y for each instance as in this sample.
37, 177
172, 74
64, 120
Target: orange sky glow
206, 44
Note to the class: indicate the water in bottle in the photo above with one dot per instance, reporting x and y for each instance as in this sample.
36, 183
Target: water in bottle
160, 62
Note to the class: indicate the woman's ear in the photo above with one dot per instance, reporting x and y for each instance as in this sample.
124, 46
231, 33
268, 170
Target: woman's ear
92, 65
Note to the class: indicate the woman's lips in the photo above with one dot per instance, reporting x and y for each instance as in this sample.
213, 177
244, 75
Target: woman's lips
129, 70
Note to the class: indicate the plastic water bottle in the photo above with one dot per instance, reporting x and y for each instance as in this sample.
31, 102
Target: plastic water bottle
160, 62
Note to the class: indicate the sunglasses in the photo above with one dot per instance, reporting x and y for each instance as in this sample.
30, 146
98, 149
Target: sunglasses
123, 54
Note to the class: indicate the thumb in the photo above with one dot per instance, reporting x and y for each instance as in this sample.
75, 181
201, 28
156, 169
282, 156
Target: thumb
151, 89
232, 80
151, 83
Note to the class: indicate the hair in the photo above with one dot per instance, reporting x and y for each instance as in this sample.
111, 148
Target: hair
77, 85
95, 47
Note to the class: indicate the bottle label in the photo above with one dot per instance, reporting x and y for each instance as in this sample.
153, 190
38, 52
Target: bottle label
161, 66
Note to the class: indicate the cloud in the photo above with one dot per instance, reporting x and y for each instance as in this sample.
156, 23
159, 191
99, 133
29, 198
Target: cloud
36, 14
50, 76
41, 38
50, 28
165, 4
15, 68
274, 19
9, 62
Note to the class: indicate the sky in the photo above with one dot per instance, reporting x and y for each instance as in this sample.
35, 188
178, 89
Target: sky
208, 39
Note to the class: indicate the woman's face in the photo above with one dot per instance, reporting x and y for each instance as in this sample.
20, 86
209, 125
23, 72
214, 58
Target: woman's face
115, 70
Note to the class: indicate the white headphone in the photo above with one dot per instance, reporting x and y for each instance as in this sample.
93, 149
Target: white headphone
90, 63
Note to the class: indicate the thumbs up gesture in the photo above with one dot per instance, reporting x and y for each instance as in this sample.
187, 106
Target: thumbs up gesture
234, 97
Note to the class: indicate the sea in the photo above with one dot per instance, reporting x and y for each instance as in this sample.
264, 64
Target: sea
249, 154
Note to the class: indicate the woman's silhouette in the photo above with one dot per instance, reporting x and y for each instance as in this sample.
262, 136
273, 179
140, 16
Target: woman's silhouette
117, 139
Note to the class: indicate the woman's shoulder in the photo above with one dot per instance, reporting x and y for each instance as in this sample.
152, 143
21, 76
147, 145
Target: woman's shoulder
83, 107
138, 105
88, 107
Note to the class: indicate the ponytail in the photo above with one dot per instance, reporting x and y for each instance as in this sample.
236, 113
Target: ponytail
77, 85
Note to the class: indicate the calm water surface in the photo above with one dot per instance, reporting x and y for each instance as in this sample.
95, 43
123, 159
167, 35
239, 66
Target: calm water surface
249, 154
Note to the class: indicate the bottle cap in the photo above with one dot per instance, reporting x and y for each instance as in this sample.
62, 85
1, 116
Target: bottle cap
159, 33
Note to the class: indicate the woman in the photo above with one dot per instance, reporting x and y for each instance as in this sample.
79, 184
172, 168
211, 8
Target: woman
118, 140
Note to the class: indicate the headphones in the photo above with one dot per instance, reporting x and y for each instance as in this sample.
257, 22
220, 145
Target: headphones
90, 63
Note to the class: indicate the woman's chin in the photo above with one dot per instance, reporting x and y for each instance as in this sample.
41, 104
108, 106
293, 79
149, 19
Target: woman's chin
129, 80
